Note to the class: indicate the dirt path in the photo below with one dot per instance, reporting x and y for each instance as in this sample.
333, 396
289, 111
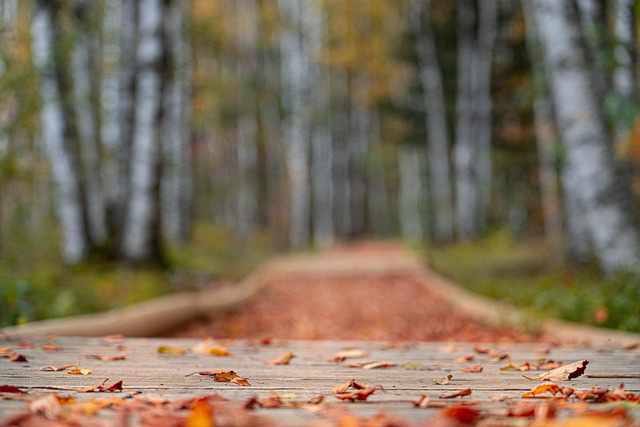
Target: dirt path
364, 291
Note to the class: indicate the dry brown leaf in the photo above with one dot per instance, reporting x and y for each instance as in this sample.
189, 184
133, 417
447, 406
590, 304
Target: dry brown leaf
222, 376
209, 347
101, 387
459, 393
51, 347
444, 381
18, 358
464, 359
55, 368
350, 353
283, 359
563, 373
473, 369
359, 394
463, 414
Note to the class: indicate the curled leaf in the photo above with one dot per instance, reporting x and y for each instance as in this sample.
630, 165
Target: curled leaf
444, 381
55, 368
473, 369
563, 373
341, 356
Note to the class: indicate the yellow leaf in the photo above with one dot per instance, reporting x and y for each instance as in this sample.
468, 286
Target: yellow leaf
201, 415
174, 351
80, 371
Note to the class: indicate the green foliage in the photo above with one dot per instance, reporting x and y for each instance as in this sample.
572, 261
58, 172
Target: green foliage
521, 274
35, 285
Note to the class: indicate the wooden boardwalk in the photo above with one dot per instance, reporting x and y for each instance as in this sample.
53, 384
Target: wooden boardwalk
155, 381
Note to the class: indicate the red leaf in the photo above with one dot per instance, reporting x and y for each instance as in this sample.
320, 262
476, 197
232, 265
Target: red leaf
463, 414
10, 389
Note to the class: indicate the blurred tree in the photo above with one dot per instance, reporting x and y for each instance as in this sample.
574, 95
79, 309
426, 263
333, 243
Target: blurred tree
591, 173
472, 150
438, 142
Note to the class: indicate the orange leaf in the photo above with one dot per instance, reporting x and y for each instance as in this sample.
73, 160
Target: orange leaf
209, 347
473, 368
463, 414
282, 360
201, 415
543, 388
78, 371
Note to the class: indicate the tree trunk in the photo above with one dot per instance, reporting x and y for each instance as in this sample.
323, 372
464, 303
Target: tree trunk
176, 167
57, 130
472, 152
436, 124
83, 62
377, 192
410, 193
141, 227
624, 74
340, 168
590, 162
295, 74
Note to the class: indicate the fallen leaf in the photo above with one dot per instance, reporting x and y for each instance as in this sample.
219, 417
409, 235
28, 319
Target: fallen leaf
107, 358
201, 415
7, 352
563, 373
209, 347
269, 402
222, 376
51, 347
174, 351
459, 393
283, 359
101, 387
10, 389
473, 369
18, 358
543, 388
358, 394
548, 364
462, 414
341, 356
444, 381
413, 366
78, 371
25, 344
48, 406
55, 368
464, 359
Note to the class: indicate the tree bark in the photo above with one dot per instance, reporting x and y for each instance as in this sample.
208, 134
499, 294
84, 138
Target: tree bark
295, 76
141, 227
410, 193
436, 124
83, 61
176, 186
590, 162
57, 131
472, 151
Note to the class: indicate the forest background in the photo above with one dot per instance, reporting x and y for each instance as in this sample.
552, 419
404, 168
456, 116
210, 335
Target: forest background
147, 146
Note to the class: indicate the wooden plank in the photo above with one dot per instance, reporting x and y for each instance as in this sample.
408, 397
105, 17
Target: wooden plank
146, 373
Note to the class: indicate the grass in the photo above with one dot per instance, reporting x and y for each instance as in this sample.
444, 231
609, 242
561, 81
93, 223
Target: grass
524, 275
35, 285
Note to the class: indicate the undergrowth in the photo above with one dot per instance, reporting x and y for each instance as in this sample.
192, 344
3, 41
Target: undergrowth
34, 284
525, 275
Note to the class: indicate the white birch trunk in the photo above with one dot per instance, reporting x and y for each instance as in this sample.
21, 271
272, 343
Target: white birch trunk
55, 122
176, 167
409, 197
464, 150
436, 123
140, 238
110, 121
295, 68
546, 136
590, 162
83, 62
592, 14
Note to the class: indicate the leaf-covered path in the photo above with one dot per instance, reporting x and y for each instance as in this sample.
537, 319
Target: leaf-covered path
365, 291
115, 381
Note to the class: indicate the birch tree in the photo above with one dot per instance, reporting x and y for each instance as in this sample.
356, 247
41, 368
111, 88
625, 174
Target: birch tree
590, 167
141, 223
436, 123
295, 75
472, 151
57, 130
